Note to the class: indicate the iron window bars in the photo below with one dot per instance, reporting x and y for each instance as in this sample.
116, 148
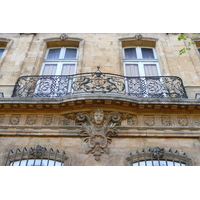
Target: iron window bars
158, 157
64, 85
37, 156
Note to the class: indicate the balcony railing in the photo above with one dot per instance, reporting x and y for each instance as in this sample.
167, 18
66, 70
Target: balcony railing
98, 82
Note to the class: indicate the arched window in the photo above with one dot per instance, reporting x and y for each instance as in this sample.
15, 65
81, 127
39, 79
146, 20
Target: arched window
158, 157
37, 156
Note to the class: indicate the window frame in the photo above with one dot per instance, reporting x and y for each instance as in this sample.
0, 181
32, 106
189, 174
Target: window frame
59, 61
140, 61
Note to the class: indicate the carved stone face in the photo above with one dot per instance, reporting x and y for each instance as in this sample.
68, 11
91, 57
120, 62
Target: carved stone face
98, 117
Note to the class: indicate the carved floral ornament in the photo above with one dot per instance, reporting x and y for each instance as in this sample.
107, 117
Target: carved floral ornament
98, 127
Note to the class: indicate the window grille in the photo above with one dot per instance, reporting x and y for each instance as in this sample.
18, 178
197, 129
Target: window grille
37, 156
158, 157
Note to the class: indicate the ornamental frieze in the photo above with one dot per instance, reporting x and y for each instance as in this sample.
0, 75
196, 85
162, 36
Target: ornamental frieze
47, 121
166, 121
183, 121
14, 120
149, 121
87, 118
197, 121
133, 121
1, 120
31, 120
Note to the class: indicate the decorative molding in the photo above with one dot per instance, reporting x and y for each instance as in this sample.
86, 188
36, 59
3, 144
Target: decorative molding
98, 127
132, 121
14, 120
166, 121
47, 121
183, 121
63, 36
138, 36
197, 121
149, 121
1, 120
31, 120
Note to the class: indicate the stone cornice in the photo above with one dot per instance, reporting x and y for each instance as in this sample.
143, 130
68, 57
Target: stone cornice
86, 101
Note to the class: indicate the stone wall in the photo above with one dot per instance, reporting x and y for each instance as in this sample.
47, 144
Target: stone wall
25, 52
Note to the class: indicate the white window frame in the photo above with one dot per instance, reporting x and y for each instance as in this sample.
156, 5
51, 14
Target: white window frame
140, 61
59, 61
3, 51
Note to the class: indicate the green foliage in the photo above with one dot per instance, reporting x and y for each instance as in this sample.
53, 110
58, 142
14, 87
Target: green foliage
189, 41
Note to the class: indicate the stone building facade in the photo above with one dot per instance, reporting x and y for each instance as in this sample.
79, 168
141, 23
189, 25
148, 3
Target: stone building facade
98, 99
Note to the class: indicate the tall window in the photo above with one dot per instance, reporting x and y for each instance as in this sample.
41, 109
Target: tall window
142, 69
140, 61
60, 61
1, 51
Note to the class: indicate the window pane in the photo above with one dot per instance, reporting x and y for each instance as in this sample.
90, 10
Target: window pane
150, 70
199, 50
147, 53
132, 70
1, 52
53, 54
49, 69
158, 163
37, 162
70, 53
68, 69
130, 53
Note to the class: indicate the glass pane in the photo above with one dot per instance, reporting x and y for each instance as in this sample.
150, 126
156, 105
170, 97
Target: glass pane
132, 70
130, 53
49, 69
53, 54
147, 53
37, 163
1, 52
199, 50
70, 53
158, 163
150, 70
68, 69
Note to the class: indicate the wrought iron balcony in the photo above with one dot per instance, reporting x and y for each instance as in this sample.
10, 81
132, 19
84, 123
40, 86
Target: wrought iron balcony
98, 82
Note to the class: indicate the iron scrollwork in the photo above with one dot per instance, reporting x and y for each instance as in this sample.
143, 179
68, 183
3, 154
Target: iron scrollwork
98, 82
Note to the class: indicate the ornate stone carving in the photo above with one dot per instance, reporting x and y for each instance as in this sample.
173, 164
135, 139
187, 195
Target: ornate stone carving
157, 152
1, 120
166, 121
37, 151
47, 121
98, 127
138, 36
183, 121
64, 121
31, 120
63, 36
14, 120
149, 121
197, 121
132, 121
